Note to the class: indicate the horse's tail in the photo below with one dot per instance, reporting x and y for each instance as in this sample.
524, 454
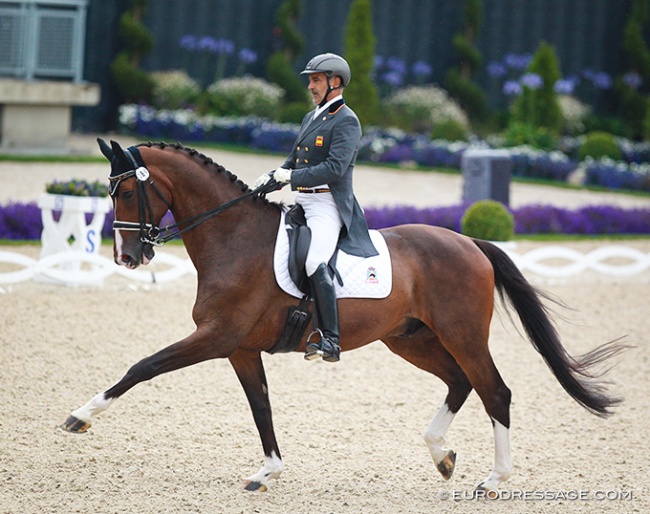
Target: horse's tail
577, 375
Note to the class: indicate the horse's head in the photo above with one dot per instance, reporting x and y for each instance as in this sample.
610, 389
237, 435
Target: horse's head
138, 205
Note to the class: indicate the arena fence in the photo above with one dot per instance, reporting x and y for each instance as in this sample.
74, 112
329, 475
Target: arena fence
77, 269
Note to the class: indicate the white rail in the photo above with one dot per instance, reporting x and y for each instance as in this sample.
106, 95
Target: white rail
546, 261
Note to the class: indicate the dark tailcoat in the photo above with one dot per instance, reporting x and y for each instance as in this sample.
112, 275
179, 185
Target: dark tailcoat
325, 152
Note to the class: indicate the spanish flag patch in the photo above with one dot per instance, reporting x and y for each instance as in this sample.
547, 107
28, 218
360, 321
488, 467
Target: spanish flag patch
319, 140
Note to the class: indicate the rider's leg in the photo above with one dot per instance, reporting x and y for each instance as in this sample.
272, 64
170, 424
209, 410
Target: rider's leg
325, 222
328, 320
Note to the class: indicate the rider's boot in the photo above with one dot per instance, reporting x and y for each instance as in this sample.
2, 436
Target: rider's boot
323, 290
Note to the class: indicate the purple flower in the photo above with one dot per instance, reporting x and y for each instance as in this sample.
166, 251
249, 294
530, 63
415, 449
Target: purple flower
188, 42
224, 46
517, 61
564, 87
496, 69
532, 81
379, 61
393, 78
512, 88
247, 56
206, 44
421, 69
632, 80
600, 79
396, 64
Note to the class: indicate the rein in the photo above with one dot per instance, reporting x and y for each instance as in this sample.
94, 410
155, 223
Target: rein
151, 233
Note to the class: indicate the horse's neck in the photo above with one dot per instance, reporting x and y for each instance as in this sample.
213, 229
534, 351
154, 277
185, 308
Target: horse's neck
242, 231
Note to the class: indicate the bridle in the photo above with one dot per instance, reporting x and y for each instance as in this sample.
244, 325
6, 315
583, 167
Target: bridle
152, 234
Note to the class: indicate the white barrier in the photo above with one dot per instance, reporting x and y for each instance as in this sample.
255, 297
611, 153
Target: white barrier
574, 263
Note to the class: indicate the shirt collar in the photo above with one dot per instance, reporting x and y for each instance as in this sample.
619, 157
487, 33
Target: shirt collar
326, 106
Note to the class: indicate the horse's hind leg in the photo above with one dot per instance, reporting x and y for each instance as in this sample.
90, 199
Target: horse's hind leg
250, 371
196, 348
425, 351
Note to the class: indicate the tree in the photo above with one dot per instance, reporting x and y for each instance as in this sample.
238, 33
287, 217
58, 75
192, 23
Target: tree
289, 42
458, 80
633, 103
134, 84
359, 51
538, 105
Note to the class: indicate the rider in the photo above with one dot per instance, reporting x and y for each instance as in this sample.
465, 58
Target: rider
320, 168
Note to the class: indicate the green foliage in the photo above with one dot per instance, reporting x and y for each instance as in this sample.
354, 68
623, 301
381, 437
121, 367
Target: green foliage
599, 144
519, 134
293, 112
77, 187
540, 106
279, 68
280, 72
449, 130
489, 220
174, 89
133, 84
634, 40
359, 50
288, 13
243, 96
458, 80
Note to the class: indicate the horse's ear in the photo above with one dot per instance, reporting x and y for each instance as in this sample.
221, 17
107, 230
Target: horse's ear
106, 150
119, 153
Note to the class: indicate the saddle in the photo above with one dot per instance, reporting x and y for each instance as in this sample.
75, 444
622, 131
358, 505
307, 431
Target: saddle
299, 316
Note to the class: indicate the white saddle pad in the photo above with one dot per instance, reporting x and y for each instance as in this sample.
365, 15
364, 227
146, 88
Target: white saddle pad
369, 277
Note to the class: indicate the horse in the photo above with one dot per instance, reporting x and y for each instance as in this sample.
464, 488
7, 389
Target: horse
437, 315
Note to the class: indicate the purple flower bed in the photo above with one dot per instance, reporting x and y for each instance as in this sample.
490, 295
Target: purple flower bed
22, 221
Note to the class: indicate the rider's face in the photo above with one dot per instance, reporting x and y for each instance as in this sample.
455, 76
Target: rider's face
318, 87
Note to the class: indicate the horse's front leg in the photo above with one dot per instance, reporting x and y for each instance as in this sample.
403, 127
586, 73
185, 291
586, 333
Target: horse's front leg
250, 371
196, 348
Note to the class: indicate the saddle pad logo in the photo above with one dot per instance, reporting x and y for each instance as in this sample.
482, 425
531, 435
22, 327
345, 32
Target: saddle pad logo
319, 140
371, 276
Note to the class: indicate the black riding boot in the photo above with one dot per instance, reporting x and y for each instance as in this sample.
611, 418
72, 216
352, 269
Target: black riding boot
323, 290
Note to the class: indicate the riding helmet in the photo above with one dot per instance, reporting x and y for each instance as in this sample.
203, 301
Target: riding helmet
331, 65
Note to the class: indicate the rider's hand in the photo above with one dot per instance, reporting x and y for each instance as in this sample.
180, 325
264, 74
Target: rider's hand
282, 176
259, 182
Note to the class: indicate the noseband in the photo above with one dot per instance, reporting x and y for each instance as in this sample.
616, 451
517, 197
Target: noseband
150, 233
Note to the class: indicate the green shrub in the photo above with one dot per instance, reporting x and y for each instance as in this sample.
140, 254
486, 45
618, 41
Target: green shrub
174, 89
245, 96
359, 48
519, 134
599, 144
449, 130
419, 108
539, 106
294, 112
489, 220
279, 71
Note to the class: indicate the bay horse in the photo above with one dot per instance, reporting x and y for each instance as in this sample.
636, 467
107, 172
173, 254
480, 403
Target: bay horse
437, 316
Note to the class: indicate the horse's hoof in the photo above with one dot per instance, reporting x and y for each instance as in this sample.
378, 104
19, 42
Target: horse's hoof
483, 492
447, 464
256, 486
75, 425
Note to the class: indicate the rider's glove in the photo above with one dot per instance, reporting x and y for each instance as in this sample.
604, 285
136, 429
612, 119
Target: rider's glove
259, 182
282, 176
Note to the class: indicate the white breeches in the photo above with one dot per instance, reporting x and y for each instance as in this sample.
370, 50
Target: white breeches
324, 221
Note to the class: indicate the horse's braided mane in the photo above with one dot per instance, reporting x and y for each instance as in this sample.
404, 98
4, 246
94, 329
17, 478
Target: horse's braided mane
207, 161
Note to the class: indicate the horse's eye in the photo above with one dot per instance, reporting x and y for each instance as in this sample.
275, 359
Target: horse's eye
127, 195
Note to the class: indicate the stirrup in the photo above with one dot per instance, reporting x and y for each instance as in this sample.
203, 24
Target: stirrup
314, 350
